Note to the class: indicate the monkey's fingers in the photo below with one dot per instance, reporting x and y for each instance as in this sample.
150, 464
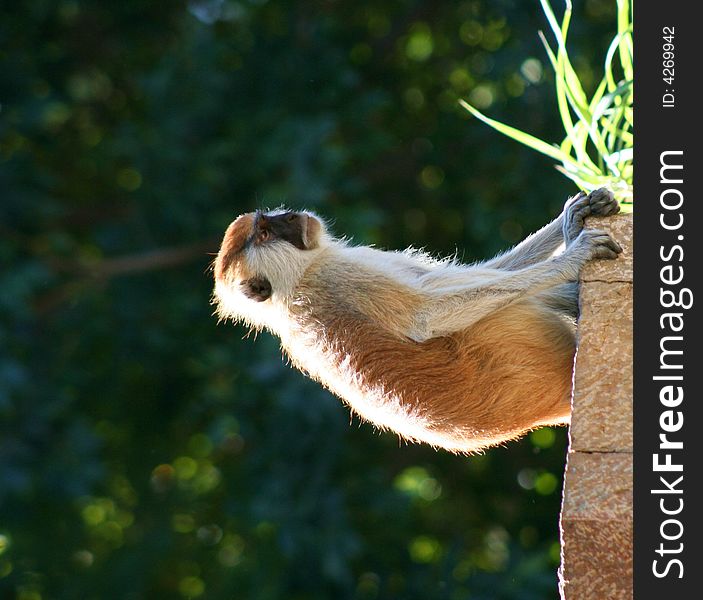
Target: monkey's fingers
604, 246
603, 202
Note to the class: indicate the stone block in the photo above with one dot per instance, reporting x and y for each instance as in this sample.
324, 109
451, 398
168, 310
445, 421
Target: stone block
596, 516
596, 527
620, 228
602, 408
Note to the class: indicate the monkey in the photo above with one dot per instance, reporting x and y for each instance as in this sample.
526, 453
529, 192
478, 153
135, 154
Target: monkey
459, 356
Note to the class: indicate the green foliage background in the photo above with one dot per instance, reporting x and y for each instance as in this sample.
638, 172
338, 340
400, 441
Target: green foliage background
147, 452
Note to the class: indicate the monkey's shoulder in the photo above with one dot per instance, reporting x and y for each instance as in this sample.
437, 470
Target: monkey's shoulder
357, 295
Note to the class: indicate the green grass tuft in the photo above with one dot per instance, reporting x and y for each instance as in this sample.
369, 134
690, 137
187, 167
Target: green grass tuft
597, 148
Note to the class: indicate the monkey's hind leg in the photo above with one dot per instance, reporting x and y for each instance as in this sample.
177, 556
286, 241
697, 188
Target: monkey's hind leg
563, 299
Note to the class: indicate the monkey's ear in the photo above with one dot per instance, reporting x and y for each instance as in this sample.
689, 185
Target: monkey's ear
313, 231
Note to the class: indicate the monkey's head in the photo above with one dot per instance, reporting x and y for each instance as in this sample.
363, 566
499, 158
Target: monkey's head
261, 259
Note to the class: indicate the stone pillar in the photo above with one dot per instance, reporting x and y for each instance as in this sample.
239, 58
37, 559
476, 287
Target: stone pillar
596, 514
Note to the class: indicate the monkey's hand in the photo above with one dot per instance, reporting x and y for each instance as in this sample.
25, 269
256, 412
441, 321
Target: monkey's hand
600, 202
591, 244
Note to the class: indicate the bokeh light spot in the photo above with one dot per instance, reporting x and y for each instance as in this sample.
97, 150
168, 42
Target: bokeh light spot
420, 44
6, 568
162, 477
531, 70
129, 179
414, 98
431, 177
425, 549
417, 482
482, 96
471, 33
526, 478
185, 467
543, 438
546, 483
182, 523
191, 587
360, 54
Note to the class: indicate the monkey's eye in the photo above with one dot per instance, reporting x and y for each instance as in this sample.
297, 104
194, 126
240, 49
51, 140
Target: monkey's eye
291, 217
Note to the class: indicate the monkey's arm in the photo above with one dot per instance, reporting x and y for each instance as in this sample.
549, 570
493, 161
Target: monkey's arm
460, 304
535, 248
564, 229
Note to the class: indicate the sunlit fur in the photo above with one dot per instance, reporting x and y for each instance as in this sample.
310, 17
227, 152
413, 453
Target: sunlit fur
459, 356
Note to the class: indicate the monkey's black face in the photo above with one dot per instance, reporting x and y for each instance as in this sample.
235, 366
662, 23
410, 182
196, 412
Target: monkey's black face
289, 227
257, 242
256, 288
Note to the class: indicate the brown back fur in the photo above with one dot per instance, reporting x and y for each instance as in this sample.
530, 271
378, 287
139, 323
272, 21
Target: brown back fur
487, 384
